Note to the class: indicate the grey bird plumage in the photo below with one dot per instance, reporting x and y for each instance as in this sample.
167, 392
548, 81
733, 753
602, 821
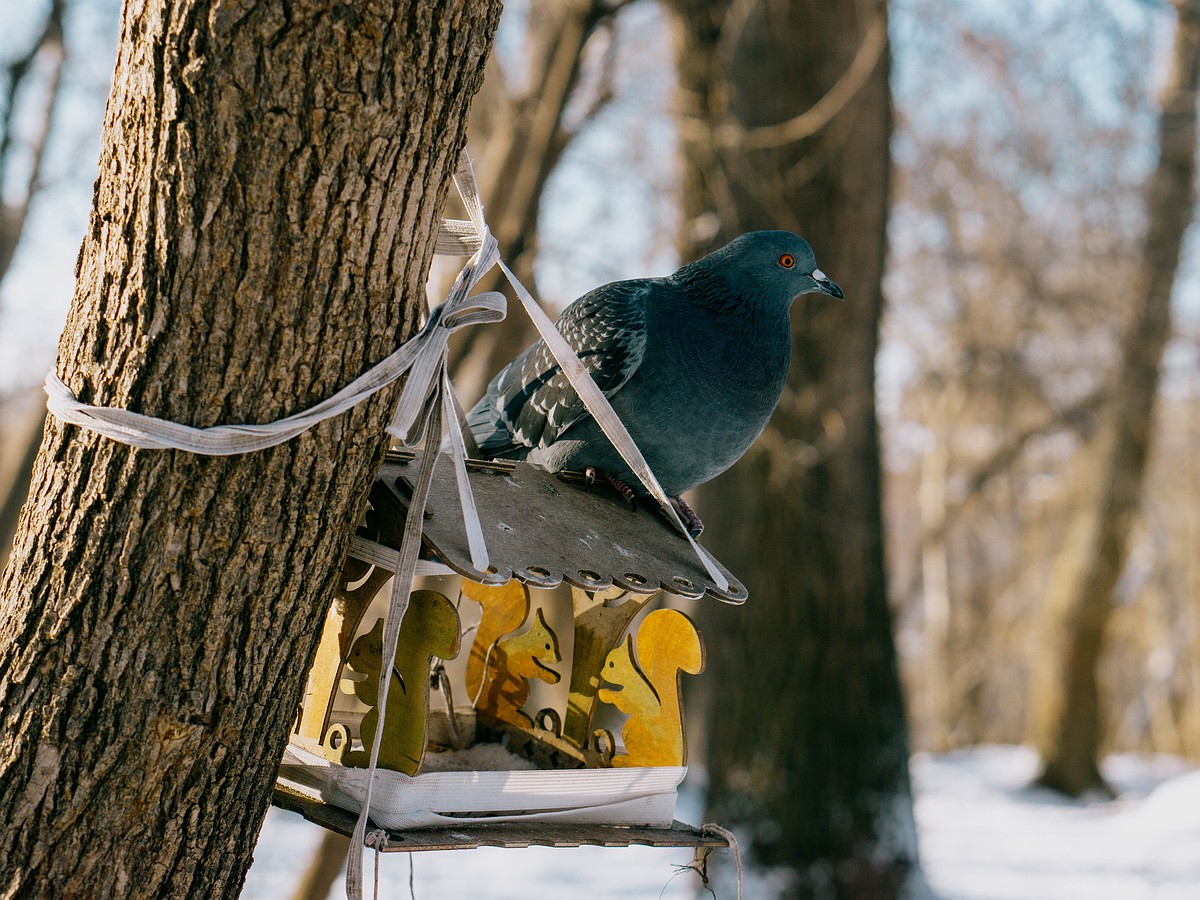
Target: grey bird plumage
693, 363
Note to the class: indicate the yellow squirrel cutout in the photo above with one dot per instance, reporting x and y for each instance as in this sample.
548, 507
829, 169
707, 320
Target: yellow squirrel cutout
429, 629
502, 659
647, 687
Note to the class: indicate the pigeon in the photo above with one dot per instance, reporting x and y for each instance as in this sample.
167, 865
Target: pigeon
693, 364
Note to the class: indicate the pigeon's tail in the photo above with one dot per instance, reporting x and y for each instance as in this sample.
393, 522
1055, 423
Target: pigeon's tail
495, 438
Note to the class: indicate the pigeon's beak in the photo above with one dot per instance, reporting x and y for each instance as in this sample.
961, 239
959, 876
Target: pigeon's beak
825, 286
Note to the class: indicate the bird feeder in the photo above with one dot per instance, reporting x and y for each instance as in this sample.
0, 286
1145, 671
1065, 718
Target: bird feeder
535, 702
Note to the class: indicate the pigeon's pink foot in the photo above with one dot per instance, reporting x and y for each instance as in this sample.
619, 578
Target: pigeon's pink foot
691, 521
592, 474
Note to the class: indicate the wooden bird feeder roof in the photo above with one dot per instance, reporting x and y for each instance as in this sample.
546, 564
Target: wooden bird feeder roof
544, 529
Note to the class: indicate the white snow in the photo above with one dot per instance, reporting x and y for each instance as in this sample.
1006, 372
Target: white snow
480, 758
984, 835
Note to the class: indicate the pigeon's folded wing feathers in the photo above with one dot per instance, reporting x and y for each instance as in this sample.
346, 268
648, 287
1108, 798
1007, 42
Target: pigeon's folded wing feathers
530, 403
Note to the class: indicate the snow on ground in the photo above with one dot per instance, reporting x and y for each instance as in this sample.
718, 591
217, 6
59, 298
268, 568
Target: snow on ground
985, 835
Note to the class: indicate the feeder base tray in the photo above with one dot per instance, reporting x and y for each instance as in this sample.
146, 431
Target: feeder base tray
507, 834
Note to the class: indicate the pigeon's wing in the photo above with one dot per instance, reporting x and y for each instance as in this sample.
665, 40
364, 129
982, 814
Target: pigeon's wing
530, 403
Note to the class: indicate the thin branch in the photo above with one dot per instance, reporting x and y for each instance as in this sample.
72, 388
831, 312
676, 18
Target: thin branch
1074, 417
605, 88
821, 113
13, 216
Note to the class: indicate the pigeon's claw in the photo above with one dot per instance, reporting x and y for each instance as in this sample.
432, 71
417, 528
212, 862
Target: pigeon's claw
691, 521
591, 475
623, 489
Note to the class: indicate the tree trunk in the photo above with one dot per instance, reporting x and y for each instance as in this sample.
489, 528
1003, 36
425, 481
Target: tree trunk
270, 181
935, 589
785, 122
323, 870
1080, 594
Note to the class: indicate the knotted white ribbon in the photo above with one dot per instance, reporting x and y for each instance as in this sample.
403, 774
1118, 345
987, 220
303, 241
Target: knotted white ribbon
419, 357
426, 403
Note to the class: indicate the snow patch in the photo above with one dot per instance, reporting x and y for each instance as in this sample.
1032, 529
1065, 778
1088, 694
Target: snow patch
986, 834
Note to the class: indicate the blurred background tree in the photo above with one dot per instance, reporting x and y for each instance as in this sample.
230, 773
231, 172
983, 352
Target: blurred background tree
1006, 282
526, 117
31, 91
1081, 590
1018, 238
31, 87
785, 120
52, 92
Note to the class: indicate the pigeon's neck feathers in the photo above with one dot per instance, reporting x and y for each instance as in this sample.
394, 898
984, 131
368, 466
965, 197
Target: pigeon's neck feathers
721, 284
715, 309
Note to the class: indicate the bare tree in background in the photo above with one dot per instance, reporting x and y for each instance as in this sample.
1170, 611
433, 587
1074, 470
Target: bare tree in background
19, 438
1080, 593
37, 71
1007, 274
785, 120
31, 83
269, 183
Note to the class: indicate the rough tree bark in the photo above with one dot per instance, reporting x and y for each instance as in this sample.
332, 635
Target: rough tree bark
785, 123
1068, 726
270, 180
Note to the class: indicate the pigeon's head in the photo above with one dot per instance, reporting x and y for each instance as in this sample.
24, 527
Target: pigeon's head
777, 265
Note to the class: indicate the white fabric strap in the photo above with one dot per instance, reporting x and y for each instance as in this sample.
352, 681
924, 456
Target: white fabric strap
731, 839
429, 405
402, 579
456, 238
421, 355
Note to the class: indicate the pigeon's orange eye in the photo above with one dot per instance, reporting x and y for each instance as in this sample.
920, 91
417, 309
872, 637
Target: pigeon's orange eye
787, 260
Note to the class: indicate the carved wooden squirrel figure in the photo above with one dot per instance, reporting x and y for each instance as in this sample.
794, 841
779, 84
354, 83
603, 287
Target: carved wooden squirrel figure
647, 687
504, 659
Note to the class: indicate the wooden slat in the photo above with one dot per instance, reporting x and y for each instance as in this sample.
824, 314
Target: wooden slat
508, 835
